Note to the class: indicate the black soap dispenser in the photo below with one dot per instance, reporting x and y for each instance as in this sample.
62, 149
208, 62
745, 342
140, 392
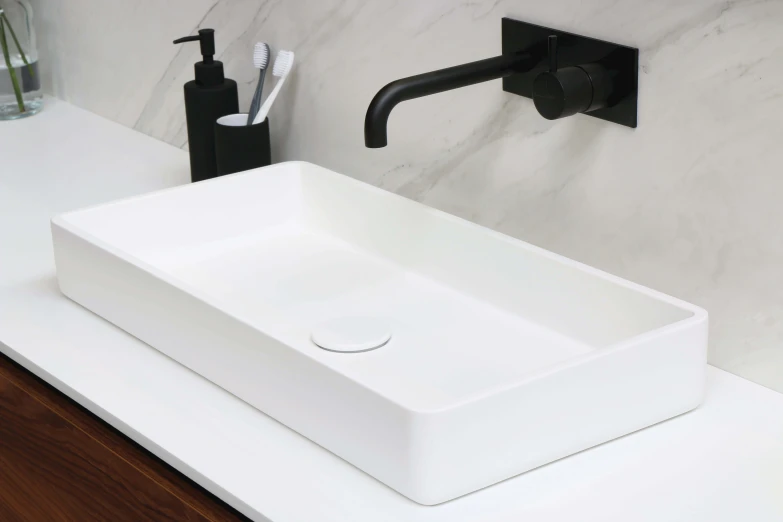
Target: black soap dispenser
207, 98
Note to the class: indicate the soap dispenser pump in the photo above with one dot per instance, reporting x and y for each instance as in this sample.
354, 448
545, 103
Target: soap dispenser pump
210, 96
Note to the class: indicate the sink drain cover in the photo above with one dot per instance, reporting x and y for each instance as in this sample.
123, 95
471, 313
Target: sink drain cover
352, 334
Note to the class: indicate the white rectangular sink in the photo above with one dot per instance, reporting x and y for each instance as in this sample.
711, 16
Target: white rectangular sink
503, 357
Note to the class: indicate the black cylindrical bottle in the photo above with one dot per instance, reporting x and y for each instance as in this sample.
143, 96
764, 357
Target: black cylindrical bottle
207, 98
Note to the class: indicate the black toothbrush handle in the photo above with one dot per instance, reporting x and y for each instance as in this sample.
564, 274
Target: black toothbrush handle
255, 104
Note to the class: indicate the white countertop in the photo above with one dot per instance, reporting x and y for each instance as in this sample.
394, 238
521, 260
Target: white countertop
722, 462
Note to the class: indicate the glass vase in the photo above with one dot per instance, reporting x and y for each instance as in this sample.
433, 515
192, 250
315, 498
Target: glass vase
20, 82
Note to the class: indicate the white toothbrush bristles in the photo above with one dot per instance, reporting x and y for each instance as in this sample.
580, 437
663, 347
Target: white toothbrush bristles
283, 63
261, 55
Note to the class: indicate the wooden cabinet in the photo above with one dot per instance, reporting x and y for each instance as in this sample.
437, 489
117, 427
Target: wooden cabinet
58, 462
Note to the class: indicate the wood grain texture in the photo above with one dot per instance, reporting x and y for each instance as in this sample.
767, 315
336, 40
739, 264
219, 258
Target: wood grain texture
58, 462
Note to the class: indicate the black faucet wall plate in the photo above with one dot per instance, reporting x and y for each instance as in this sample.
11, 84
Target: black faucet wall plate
575, 50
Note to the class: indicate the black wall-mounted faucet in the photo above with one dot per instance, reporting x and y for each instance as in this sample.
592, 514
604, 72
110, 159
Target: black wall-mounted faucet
564, 73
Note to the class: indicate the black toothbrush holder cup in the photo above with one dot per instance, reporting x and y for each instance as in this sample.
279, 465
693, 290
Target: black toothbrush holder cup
239, 146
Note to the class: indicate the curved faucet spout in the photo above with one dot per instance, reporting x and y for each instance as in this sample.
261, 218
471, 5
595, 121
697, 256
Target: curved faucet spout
435, 82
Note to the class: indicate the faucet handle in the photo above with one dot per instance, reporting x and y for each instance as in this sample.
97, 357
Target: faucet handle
558, 93
552, 52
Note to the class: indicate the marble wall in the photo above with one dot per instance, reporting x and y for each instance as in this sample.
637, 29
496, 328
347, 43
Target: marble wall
689, 203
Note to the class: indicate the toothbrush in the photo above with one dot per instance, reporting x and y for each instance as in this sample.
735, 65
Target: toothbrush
260, 61
284, 62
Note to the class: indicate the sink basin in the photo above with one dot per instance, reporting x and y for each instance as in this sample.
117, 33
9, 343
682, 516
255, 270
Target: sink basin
456, 357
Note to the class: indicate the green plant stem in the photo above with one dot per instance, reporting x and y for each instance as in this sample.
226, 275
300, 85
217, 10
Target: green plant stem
11, 71
18, 46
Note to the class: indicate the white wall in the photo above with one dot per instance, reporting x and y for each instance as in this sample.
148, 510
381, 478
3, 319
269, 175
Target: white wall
689, 203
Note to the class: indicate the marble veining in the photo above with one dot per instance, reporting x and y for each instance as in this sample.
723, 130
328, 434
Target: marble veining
688, 203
